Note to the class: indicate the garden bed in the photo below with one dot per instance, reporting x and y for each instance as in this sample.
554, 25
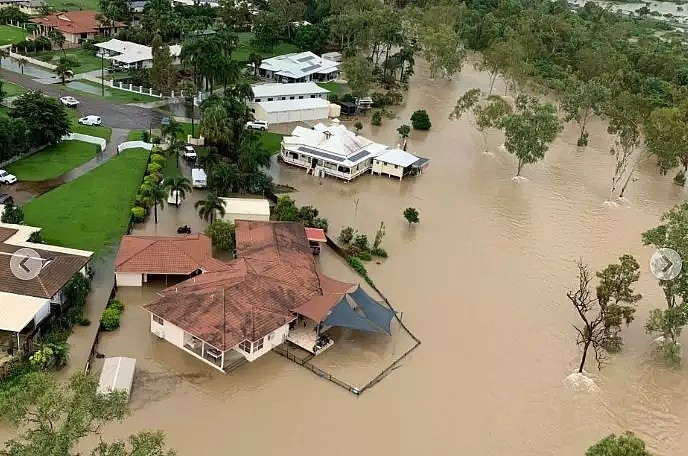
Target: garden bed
91, 212
53, 161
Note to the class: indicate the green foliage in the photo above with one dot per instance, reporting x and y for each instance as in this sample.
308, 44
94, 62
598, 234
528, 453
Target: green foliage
359, 74
582, 100
668, 324
158, 159
364, 255
680, 179
357, 266
35, 237
58, 351
162, 72
45, 117
109, 321
286, 209
404, 131
346, 236
154, 168
358, 126
116, 304
222, 235
666, 136
420, 120
624, 445
210, 206
376, 119
12, 214
141, 444
411, 215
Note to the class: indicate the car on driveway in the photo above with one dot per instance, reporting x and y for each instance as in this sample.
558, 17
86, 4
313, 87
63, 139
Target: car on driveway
7, 178
6, 199
257, 125
70, 102
90, 120
190, 153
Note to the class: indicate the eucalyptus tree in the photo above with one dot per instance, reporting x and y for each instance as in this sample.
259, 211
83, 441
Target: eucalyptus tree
666, 137
625, 122
484, 112
581, 100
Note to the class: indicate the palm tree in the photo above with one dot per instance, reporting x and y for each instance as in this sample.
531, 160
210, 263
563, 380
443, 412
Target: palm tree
224, 178
172, 130
4, 53
179, 185
21, 61
175, 149
64, 69
155, 194
209, 206
209, 159
255, 59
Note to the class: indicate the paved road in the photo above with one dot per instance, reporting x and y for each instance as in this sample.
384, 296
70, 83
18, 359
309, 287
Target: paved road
116, 115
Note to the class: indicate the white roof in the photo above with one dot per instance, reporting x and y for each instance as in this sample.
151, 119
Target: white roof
398, 157
248, 206
198, 174
299, 64
293, 105
117, 374
128, 52
21, 238
284, 90
16, 311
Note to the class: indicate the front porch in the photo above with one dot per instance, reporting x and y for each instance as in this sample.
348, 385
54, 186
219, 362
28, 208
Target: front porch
223, 361
305, 335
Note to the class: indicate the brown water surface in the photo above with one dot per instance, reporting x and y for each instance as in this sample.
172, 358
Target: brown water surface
481, 280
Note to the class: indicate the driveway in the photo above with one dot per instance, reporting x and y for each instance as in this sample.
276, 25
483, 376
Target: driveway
116, 115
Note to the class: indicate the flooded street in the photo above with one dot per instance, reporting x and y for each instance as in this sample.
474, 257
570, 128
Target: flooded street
481, 280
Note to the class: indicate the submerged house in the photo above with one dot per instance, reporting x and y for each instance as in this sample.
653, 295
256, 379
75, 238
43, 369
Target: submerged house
251, 305
338, 152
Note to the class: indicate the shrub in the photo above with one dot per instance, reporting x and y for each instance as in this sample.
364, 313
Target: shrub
154, 168
12, 214
155, 139
346, 235
222, 235
379, 252
146, 136
116, 304
365, 256
411, 215
358, 266
358, 126
420, 120
680, 179
36, 238
333, 98
109, 321
84, 322
158, 159
348, 98
376, 119
360, 241
379, 99
138, 214
394, 97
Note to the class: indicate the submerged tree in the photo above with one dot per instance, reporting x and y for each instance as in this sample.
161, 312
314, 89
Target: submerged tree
624, 123
581, 100
624, 445
411, 215
668, 323
485, 112
210, 206
530, 130
666, 136
602, 313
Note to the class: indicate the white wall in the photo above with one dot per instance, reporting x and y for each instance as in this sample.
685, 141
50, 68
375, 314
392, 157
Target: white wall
134, 145
380, 167
172, 334
128, 279
231, 217
86, 138
42, 313
269, 342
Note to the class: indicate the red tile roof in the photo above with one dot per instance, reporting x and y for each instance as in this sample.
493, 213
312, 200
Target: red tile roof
74, 22
316, 235
255, 294
166, 255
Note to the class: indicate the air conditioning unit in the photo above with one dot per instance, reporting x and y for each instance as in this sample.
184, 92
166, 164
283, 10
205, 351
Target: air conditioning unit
160, 333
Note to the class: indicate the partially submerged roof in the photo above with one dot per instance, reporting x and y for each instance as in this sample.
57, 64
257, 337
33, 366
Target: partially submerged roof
397, 157
117, 375
285, 90
164, 255
315, 234
248, 206
16, 311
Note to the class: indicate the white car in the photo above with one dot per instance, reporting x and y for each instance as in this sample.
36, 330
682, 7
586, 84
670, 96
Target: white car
190, 153
69, 101
90, 120
257, 125
7, 178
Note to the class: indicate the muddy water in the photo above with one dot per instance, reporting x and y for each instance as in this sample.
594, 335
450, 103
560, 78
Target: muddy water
481, 280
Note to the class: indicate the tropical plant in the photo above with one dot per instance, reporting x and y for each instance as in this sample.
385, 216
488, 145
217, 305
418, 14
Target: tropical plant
12, 214
222, 234
411, 215
110, 319
358, 126
376, 119
208, 207
404, 131
155, 195
63, 69
420, 120
179, 185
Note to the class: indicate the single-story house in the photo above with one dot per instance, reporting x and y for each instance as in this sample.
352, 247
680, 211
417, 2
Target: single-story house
125, 54
30, 7
246, 209
32, 288
398, 163
276, 112
76, 26
299, 67
141, 258
246, 309
338, 152
296, 91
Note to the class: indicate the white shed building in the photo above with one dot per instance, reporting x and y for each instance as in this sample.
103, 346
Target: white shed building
296, 91
246, 209
396, 163
117, 375
284, 111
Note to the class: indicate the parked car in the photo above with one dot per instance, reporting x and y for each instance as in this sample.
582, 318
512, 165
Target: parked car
7, 178
90, 120
257, 125
190, 153
69, 101
198, 178
6, 199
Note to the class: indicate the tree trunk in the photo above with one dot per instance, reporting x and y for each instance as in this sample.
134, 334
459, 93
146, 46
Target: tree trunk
520, 166
628, 179
585, 354
484, 135
176, 198
155, 210
493, 79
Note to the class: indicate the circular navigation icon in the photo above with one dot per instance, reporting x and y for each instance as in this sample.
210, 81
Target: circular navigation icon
666, 264
26, 264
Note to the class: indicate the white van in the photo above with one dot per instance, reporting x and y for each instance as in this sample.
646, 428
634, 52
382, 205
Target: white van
198, 178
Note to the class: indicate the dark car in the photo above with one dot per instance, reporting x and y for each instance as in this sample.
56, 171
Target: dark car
6, 199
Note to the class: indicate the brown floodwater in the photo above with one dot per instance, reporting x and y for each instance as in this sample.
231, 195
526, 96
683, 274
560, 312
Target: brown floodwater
481, 280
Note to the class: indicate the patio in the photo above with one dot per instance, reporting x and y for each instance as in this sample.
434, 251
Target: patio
224, 361
304, 334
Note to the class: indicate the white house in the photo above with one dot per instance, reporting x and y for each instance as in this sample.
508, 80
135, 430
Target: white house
299, 67
31, 287
246, 209
126, 54
280, 103
338, 152
296, 91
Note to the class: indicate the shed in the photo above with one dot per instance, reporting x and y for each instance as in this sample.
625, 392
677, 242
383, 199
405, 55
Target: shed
348, 108
117, 374
395, 162
246, 209
283, 111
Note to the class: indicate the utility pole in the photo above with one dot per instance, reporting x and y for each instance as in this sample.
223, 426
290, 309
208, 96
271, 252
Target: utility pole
102, 74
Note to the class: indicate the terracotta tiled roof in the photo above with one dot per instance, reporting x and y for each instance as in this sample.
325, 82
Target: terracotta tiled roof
255, 294
57, 269
316, 234
74, 22
165, 255
6, 233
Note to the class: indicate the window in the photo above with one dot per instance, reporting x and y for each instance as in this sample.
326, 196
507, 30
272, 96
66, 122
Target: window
271, 336
270, 99
245, 346
396, 166
257, 345
300, 97
257, 100
284, 98
312, 96
158, 320
291, 98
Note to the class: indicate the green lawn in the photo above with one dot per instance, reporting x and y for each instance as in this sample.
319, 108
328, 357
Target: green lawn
53, 161
334, 87
135, 135
71, 5
12, 90
87, 59
99, 131
245, 48
91, 212
271, 141
11, 35
117, 94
